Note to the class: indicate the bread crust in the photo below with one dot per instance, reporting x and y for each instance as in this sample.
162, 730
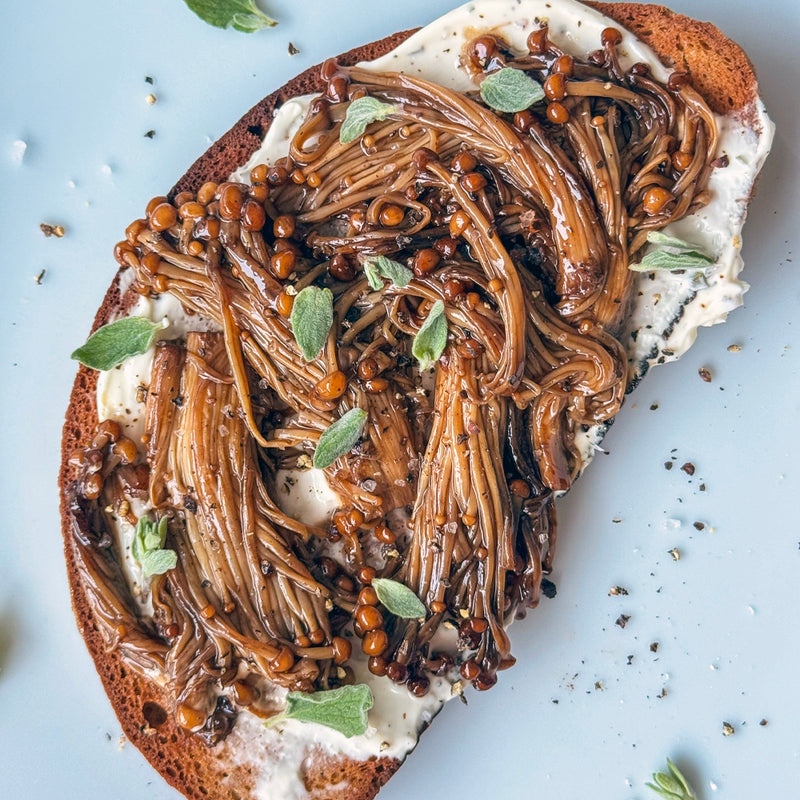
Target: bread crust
721, 72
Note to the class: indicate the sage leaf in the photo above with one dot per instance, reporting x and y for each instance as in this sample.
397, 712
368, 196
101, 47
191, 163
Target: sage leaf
510, 90
672, 785
344, 709
147, 547
663, 259
157, 562
431, 339
359, 114
112, 344
340, 438
311, 318
398, 598
671, 253
376, 267
241, 15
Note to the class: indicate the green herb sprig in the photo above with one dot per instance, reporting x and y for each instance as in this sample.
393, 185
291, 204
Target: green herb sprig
116, 342
510, 90
311, 318
672, 785
241, 15
398, 598
359, 114
340, 438
344, 710
431, 339
671, 253
378, 267
148, 547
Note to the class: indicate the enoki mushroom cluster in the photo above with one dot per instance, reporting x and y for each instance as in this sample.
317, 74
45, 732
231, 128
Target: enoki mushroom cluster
523, 226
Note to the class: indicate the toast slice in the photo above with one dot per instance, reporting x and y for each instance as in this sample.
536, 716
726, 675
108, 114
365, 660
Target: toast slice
722, 74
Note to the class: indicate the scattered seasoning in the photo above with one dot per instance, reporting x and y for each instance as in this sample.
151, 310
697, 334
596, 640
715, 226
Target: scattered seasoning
654, 406
617, 590
734, 348
629, 660
721, 162
688, 468
675, 553
705, 374
763, 723
190, 504
51, 230
293, 51
148, 79
40, 277
623, 620
150, 99
598, 685
654, 647
149, 134
699, 525
617, 520
668, 465
728, 729
702, 487
662, 694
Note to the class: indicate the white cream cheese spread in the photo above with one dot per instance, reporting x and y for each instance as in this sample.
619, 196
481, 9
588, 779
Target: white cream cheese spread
667, 312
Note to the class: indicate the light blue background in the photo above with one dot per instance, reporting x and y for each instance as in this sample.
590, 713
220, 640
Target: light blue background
725, 615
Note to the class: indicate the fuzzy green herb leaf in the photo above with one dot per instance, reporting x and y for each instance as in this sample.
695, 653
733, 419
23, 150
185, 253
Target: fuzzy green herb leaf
148, 547
114, 343
376, 267
340, 438
672, 785
311, 318
359, 114
398, 598
431, 339
241, 15
671, 253
344, 709
510, 90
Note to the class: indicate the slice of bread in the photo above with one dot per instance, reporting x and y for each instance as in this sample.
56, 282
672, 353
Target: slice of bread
720, 71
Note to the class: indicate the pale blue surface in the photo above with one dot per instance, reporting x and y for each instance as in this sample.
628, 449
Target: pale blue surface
74, 90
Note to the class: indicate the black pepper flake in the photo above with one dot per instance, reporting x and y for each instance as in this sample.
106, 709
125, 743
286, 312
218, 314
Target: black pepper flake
705, 374
688, 468
654, 406
763, 723
461, 438
699, 525
178, 400
549, 588
653, 647
728, 729
629, 660
667, 465
148, 79
293, 51
623, 620
190, 504
40, 277
615, 591
149, 134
